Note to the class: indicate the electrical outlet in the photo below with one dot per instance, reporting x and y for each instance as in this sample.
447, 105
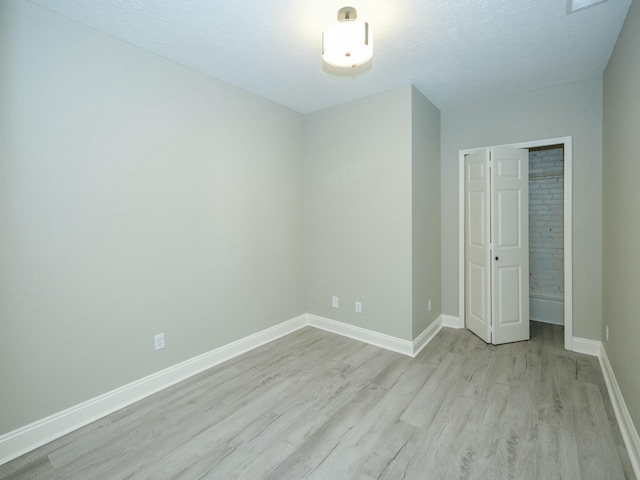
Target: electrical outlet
158, 341
606, 332
358, 307
335, 302
429, 305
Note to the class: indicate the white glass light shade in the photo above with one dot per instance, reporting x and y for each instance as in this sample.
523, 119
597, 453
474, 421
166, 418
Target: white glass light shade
347, 44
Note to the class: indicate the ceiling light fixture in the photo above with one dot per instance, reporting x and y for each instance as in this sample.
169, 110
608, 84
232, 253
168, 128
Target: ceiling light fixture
348, 43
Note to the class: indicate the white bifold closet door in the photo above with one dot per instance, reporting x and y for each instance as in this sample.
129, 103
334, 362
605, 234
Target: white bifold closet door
497, 244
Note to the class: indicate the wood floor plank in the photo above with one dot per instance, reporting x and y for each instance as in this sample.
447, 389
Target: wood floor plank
432, 396
314, 405
307, 458
38, 469
376, 439
557, 452
597, 458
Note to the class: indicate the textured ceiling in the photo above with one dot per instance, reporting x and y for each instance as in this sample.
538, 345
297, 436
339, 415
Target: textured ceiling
456, 52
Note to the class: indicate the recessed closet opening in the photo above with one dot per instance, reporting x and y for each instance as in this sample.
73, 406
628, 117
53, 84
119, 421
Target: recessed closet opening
546, 234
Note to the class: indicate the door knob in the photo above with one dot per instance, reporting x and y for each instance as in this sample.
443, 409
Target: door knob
496, 258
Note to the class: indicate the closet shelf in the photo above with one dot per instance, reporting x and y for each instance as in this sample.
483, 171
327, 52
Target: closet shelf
546, 174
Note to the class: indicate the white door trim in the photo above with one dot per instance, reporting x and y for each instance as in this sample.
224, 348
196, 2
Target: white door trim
568, 227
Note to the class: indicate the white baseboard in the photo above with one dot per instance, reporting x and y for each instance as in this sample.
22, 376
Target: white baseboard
362, 334
586, 346
381, 340
627, 428
34, 435
427, 335
450, 321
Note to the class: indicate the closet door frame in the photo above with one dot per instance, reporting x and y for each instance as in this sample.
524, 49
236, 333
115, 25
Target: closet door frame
568, 256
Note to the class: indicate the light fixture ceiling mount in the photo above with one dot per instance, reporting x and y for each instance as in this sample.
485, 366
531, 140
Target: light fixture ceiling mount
348, 43
347, 13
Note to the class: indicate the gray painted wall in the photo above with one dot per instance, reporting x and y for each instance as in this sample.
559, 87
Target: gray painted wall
425, 187
621, 212
372, 186
358, 212
573, 109
136, 197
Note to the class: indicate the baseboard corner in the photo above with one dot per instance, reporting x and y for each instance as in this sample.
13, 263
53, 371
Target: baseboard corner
586, 346
451, 321
427, 335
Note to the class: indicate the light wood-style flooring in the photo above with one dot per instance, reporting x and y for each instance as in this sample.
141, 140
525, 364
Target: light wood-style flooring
314, 405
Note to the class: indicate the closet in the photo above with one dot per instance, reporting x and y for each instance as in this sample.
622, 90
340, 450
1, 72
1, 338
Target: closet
532, 215
513, 240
